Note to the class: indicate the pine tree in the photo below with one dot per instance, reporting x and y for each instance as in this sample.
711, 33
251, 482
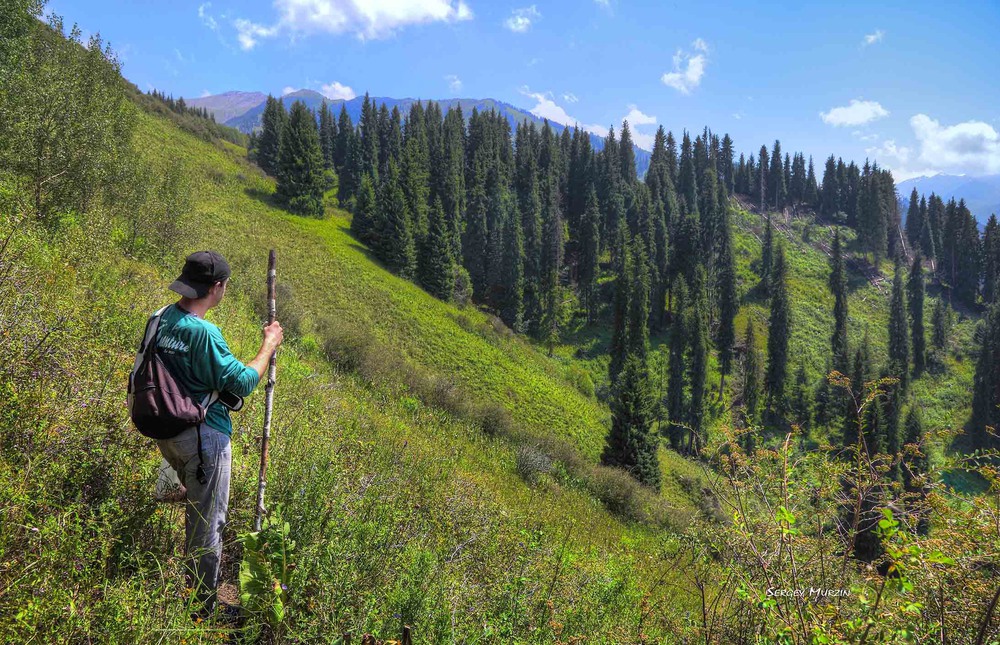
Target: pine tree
300, 163
345, 130
272, 124
435, 269
728, 299
778, 334
767, 256
620, 325
672, 157
416, 169
590, 246
802, 404
327, 135
394, 230
761, 191
986, 383
927, 243
776, 189
728, 172
369, 138
915, 293
751, 376
915, 465
838, 286
830, 201
512, 272
914, 223
939, 325
631, 444
365, 212
697, 328
811, 195
627, 163
675, 380
899, 345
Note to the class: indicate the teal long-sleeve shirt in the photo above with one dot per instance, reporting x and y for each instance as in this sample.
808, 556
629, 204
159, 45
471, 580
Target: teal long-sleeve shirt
196, 354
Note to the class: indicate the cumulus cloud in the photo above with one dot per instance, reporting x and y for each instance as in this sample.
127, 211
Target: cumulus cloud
546, 108
857, 113
249, 33
366, 19
206, 18
520, 19
454, 83
872, 38
896, 156
336, 90
635, 117
971, 147
688, 69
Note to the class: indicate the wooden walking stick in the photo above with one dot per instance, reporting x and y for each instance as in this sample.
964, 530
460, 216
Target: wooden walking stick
272, 275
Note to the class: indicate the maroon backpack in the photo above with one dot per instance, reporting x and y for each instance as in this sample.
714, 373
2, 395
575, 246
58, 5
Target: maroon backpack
161, 407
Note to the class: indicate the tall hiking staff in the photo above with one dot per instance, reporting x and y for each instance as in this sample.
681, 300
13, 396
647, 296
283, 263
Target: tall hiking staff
272, 274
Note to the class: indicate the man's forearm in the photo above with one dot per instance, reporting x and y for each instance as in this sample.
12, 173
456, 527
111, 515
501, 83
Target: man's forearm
260, 362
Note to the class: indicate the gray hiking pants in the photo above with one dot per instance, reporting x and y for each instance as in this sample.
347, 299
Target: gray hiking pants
207, 504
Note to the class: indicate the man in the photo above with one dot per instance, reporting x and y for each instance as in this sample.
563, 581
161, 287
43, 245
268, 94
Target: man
195, 353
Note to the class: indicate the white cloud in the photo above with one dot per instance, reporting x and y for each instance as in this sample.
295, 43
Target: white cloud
604, 3
569, 97
635, 117
688, 69
287, 90
969, 147
890, 152
454, 83
205, 17
737, 115
520, 19
336, 90
546, 108
872, 38
857, 113
366, 19
249, 33
205, 93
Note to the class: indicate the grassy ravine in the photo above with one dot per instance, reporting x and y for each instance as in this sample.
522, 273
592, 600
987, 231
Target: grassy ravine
401, 511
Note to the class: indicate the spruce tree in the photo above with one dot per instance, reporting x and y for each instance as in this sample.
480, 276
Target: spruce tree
394, 230
300, 163
677, 370
627, 163
327, 135
939, 325
631, 444
915, 293
697, 328
991, 260
728, 299
416, 170
620, 322
838, 286
986, 382
914, 223
830, 200
365, 212
776, 188
369, 132
811, 196
345, 130
590, 247
272, 124
802, 403
899, 345
915, 466
778, 334
512, 272
751, 376
767, 256
435, 269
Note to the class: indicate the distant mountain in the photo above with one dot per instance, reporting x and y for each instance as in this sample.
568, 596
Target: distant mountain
229, 105
981, 194
249, 118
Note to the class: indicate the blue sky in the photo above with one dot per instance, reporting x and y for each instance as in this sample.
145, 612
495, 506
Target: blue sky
912, 84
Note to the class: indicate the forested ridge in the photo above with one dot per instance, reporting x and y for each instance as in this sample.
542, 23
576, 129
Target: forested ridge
527, 395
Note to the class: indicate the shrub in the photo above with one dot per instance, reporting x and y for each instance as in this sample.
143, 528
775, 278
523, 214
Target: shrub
531, 463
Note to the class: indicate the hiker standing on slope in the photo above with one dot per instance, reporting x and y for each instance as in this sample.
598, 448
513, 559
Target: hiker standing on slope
195, 354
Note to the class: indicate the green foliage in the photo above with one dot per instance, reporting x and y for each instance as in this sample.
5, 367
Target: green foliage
300, 170
267, 570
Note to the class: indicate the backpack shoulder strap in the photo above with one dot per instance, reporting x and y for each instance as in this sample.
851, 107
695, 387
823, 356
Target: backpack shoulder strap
152, 327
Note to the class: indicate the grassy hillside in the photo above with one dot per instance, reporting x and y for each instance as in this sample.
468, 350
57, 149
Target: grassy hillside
402, 507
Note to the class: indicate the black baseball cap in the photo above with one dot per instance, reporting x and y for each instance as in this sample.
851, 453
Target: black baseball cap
201, 270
